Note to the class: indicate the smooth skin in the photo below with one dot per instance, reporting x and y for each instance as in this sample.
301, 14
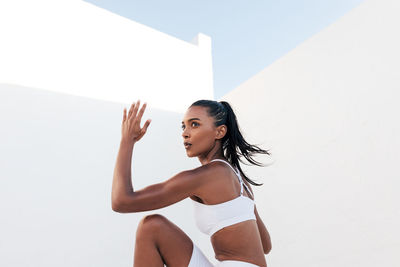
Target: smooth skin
158, 240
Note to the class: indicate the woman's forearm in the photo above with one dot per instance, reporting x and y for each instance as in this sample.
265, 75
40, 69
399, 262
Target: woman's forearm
122, 182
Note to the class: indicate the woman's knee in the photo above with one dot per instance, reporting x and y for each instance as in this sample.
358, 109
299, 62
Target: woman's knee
152, 223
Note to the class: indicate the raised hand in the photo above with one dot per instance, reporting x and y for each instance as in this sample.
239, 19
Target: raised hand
131, 130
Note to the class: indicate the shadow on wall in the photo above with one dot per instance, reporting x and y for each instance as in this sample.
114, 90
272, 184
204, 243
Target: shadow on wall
57, 160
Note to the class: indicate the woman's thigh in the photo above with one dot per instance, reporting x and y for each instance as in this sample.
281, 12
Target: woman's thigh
174, 246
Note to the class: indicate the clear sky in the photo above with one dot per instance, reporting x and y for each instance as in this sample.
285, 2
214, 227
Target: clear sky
247, 36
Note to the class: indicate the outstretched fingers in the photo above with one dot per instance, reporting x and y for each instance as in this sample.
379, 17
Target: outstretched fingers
131, 122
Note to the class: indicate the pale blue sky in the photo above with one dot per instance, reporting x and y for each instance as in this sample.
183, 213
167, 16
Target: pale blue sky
247, 36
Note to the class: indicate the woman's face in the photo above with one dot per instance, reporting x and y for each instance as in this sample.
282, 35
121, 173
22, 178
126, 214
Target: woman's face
199, 130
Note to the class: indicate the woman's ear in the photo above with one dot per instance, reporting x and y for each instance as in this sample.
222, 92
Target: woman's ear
221, 131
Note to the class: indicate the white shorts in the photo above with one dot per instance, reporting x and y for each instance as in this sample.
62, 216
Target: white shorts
198, 259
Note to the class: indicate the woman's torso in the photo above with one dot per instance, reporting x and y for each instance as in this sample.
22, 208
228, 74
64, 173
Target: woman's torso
240, 241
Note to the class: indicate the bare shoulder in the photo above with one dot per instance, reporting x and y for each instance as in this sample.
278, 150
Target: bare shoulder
208, 174
209, 170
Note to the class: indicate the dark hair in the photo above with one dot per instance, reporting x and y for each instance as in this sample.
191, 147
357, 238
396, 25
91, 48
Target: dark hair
233, 144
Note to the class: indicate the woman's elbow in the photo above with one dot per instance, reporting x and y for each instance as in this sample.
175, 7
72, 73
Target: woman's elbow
117, 206
125, 205
267, 249
121, 209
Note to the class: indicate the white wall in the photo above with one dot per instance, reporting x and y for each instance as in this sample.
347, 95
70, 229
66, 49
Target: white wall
328, 110
77, 48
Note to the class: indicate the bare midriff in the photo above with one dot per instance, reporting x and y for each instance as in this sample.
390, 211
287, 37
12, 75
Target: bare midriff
240, 242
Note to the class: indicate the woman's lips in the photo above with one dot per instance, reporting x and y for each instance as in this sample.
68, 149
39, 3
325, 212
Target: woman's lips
187, 145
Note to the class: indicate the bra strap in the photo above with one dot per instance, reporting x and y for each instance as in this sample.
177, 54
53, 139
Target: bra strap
248, 190
243, 184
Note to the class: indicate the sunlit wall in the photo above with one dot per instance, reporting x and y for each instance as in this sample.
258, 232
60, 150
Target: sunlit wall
328, 111
77, 48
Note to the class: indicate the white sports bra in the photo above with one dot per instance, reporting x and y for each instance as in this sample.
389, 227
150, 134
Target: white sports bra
212, 218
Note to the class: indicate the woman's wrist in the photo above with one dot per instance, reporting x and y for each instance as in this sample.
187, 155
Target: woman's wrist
126, 142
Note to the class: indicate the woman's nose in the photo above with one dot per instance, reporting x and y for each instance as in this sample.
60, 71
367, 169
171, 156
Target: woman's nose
185, 134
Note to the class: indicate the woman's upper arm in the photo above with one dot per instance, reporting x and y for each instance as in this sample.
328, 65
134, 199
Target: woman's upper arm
264, 234
160, 195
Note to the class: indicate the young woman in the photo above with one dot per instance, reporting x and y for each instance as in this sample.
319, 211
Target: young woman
222, 208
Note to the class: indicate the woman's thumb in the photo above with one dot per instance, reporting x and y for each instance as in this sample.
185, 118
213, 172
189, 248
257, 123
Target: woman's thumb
146, 124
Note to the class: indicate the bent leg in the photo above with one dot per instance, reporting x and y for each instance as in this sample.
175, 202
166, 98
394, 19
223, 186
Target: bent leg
159, 242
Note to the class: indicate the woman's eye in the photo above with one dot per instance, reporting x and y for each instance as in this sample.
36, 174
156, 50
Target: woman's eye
193, 123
